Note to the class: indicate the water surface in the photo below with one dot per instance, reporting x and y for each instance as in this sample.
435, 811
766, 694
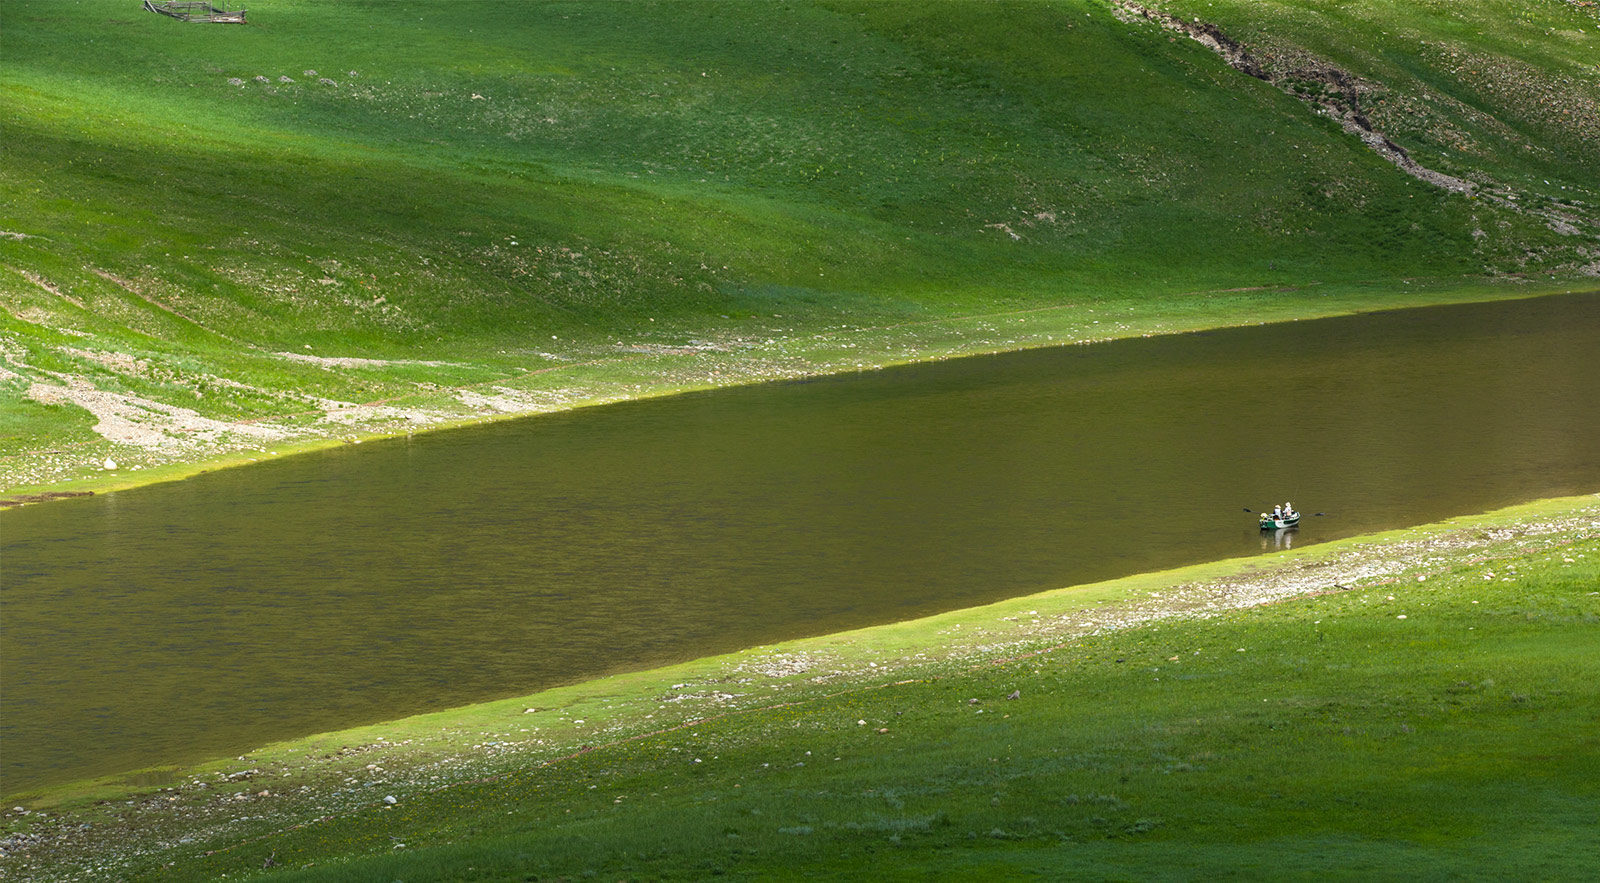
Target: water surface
204, 617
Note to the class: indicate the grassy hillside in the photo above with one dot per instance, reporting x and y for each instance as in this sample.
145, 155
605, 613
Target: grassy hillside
225, 238
1418, 703
1503, 91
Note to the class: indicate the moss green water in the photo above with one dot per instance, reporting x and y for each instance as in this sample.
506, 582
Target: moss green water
1418, 703
182, 621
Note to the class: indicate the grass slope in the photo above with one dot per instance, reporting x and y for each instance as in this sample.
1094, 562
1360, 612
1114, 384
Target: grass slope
1416, 703
1341, 739
554, 203
1501, 91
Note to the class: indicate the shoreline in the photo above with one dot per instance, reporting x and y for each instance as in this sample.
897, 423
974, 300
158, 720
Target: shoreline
978, 635
634, 376
454, 767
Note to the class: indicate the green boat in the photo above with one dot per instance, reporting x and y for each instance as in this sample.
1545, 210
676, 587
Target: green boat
1268, 522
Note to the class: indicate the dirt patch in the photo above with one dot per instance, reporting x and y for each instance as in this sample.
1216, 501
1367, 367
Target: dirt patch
370, 416
121, 363
506, 400
145, 423
24, 499
331, 362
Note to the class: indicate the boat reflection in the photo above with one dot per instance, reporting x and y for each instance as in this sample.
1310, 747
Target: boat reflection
1282, 538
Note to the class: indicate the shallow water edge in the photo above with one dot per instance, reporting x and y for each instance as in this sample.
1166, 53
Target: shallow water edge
664, 376
576, 715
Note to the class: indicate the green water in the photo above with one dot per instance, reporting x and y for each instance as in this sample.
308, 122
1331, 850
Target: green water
200, 618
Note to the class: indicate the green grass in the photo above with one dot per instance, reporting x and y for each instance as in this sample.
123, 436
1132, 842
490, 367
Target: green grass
650, 174
1503, 89
1451, 744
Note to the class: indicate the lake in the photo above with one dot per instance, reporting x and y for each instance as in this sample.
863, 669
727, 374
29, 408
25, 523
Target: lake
204, 617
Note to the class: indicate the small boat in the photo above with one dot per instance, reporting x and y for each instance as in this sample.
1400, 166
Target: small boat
194, 10
1268, 522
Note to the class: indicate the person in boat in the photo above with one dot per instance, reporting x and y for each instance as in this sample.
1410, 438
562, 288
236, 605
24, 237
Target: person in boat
1277, 513
1288, 509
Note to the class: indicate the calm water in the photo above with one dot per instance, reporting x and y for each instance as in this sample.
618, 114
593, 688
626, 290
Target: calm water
204, 617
